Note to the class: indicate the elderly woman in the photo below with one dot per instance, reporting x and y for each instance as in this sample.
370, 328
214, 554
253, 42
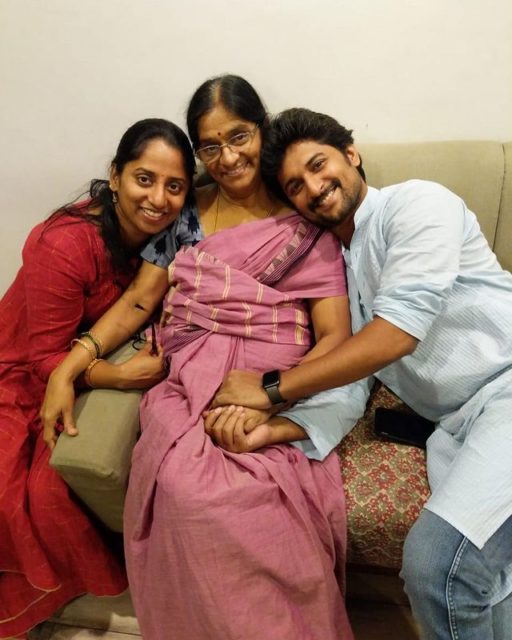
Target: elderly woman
221, 544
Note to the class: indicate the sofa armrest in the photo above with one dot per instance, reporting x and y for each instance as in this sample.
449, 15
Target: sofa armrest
96, 462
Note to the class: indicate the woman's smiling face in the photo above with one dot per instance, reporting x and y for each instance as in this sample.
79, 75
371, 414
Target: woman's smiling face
237, 168
150, 191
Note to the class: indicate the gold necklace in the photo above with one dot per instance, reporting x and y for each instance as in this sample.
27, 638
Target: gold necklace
268, 212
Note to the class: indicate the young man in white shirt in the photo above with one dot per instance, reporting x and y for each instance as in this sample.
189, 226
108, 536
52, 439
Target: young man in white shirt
432, 319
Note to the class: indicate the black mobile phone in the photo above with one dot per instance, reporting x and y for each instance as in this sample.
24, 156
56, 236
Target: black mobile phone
405, 428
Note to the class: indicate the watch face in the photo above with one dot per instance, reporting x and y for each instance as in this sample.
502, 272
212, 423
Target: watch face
270, 382
271, 379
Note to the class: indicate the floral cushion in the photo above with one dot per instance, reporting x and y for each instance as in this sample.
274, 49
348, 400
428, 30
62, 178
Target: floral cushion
385, 485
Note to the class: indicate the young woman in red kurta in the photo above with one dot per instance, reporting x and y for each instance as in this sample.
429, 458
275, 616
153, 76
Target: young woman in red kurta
75, 265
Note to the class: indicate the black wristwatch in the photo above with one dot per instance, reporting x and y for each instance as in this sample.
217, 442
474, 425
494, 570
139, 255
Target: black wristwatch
270, 382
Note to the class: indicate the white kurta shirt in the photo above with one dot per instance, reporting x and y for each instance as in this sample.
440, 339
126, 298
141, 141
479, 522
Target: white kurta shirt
419, 260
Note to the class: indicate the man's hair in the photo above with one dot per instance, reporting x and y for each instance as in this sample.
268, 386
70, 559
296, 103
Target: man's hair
297, 125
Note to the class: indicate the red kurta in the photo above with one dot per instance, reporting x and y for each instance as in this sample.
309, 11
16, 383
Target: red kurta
50, 551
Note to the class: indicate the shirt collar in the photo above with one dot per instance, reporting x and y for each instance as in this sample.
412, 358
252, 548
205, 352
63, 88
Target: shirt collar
361, 216
366, 207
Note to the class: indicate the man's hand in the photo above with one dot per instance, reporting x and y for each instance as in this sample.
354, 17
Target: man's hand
242, 388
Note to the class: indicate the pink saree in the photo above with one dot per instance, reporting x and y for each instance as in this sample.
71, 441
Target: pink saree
221, 545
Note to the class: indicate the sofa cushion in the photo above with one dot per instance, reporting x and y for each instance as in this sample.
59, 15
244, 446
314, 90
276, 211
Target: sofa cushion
96, 462
386, 486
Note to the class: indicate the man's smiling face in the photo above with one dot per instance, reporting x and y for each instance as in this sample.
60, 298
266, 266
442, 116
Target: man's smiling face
323, 183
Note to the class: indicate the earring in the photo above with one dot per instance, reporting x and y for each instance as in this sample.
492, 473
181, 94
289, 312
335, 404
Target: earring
114, 197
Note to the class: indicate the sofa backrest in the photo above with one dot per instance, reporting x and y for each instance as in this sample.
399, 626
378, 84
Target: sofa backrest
503, 243
480, 172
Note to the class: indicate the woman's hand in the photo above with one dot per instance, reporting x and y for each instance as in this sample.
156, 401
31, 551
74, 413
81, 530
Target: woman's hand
58, 404
241, 430
238, 429
141, 371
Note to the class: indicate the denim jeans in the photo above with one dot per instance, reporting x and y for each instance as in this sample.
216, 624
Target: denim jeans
450, 582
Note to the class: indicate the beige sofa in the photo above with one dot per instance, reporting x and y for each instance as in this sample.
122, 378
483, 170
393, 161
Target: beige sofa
385, 483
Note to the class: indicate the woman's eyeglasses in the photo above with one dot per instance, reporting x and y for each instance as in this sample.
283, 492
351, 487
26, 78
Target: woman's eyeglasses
139, 341
212, 152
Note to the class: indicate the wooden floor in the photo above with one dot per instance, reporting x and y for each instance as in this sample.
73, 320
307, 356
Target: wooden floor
379, 621
112, 619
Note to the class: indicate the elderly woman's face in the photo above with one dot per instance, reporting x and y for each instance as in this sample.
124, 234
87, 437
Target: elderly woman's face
236, 166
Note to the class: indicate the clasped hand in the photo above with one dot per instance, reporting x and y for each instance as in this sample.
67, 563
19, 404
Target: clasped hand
239, 429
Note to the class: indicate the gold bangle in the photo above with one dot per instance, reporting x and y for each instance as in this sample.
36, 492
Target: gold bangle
87, 372
98, 346
87, 347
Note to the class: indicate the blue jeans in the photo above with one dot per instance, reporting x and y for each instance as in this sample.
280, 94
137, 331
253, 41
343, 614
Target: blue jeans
450, 582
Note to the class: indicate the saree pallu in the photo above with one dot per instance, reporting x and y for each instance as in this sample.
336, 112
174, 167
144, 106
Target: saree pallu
221, 545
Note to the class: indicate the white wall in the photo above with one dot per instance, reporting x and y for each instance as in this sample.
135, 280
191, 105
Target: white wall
74, 74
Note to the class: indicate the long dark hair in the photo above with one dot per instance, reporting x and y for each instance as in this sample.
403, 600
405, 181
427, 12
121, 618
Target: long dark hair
131, 146
232, 92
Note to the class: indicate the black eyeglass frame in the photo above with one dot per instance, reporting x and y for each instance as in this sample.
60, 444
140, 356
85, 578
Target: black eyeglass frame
139, 340
232, 146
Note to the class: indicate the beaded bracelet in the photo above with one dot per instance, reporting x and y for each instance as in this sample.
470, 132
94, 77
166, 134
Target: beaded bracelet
88, 347
96, 342
87, 372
